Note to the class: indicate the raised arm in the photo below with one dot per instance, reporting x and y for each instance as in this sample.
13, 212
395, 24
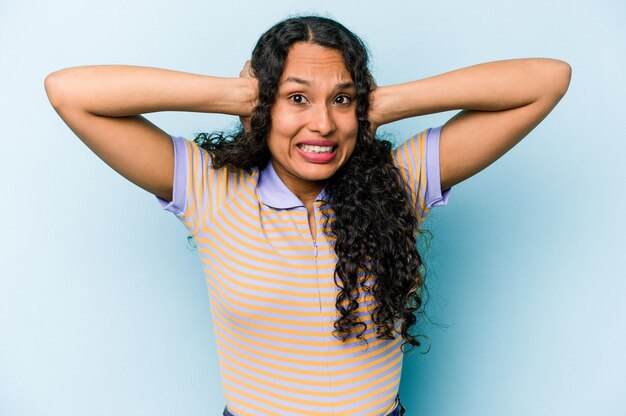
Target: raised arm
103, 106
501, 101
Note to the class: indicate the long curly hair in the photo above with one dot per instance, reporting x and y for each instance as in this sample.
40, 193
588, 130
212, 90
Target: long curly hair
371, 220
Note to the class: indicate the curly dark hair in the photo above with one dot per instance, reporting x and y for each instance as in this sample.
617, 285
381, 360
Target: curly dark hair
372, 219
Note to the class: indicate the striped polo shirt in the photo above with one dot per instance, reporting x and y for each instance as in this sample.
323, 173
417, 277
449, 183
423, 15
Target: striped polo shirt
272, 289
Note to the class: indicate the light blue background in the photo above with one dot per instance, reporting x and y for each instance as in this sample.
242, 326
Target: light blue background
104, 308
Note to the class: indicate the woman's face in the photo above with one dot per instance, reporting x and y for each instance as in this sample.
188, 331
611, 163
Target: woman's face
314, 125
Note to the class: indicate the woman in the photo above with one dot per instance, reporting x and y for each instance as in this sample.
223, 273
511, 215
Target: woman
306, 224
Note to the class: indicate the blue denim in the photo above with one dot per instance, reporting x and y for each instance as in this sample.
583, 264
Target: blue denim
398, 411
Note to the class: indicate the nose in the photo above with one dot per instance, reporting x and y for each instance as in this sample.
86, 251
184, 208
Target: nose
321, 120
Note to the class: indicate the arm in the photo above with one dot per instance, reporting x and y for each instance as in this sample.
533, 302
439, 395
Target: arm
102, 105
501, 103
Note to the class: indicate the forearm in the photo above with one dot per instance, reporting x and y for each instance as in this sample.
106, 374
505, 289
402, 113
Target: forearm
490, 86
118, 91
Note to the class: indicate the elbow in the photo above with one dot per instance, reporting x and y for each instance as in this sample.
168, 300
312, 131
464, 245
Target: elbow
55, 85
561, 76
51, 85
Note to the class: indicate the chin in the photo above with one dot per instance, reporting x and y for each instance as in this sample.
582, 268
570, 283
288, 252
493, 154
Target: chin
317, 175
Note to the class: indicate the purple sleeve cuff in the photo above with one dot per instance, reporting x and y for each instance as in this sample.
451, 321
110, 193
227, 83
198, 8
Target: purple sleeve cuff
177, 205
434, 196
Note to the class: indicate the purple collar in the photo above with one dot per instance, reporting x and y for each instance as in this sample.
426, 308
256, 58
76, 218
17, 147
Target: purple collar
274, 193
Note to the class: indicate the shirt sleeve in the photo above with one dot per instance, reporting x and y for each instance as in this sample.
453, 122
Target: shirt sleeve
418, 162
191, 186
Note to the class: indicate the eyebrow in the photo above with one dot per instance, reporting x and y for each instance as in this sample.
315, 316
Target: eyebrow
342, 86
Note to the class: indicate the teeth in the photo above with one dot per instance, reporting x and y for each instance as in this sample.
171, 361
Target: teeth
316, 149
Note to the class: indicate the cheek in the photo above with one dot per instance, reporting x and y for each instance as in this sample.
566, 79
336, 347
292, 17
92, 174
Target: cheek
351, 148
284, 126
351, 130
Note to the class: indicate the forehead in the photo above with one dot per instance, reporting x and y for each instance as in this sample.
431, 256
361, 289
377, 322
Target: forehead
312, 62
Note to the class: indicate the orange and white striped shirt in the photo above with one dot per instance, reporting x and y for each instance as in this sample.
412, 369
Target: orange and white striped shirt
272, 289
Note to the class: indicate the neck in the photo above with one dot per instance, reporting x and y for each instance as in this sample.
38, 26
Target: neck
308, 196
306, 191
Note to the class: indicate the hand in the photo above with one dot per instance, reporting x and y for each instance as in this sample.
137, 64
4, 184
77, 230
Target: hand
248, 74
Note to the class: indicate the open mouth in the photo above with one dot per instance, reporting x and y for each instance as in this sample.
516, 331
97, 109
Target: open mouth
316, 149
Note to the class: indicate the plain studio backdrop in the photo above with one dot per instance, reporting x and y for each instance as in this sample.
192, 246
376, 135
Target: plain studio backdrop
103, 305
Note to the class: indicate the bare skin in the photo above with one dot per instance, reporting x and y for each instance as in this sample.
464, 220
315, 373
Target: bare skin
103, 106
501, 103
315, 109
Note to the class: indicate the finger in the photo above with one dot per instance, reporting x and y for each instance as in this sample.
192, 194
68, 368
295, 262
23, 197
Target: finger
246, 71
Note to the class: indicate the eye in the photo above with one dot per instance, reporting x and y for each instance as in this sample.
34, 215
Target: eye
298, 99
343, 99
